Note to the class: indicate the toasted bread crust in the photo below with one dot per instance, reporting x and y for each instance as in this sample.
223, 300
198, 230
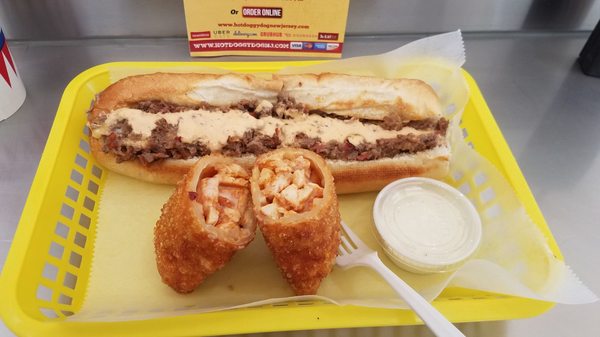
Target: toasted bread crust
362, 96
179, 88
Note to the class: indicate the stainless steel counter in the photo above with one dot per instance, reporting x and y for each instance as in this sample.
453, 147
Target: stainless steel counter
547, 109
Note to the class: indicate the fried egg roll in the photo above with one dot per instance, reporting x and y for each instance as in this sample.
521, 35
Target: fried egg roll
297, 212
206, 220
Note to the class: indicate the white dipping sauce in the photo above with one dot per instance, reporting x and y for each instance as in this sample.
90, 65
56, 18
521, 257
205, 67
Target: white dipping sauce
425, 225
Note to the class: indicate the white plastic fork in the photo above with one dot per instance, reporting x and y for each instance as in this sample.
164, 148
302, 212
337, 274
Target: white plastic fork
353, 252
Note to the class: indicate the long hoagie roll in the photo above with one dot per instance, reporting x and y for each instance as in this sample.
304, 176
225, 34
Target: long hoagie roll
153, 127
297, 212
206, 220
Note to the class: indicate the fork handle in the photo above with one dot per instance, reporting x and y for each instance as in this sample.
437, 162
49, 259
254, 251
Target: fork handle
430, 316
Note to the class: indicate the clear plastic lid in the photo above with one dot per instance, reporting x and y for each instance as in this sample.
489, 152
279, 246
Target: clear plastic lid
425, 225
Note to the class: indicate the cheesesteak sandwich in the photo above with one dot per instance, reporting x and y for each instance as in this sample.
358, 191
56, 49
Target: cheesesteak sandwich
370, 130
297, 212
206, 220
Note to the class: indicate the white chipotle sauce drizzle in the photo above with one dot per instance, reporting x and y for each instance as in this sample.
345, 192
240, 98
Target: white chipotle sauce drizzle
214, 127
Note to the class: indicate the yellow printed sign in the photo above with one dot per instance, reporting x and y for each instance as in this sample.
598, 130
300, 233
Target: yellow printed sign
266, 27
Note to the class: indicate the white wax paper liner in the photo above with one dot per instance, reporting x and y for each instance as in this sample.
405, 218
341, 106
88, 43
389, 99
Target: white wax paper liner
514, 257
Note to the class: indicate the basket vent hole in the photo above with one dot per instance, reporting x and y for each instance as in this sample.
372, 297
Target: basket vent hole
67, 313
493, 211
80, 240
480, 178
471, 145
86, 130
70, 280
76, 176
56, 250
465, 133
64, 299
44, 293
450, 109
50, 271
67, 211
89, 204
280, 304
81, 161
96, 171
75, 259
49, 313
61, 230
85, 146
457, 175
72, 193
93, 187
465, 188
487, 195
85, 221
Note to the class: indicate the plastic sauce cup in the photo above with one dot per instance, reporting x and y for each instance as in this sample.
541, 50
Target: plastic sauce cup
426, 226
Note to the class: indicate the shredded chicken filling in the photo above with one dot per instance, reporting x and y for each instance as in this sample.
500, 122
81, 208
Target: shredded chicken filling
288, 186
223, 197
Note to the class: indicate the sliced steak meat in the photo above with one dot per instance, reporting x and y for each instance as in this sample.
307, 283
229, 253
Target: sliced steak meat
163, 143
160, 106
395, 123
306, 142
252, 142
384, 148
287, 106
441, 126
114, 141
406, 144
122, 128
391, 122
113, 144
245, 105
260, 144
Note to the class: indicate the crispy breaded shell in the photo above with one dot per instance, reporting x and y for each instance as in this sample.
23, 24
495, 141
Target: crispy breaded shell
363, 96
187, 251
304, 245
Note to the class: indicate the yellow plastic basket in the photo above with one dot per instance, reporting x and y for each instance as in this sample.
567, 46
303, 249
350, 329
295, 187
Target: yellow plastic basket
47, 270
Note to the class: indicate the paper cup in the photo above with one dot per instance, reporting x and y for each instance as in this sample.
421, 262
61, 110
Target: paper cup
12, 91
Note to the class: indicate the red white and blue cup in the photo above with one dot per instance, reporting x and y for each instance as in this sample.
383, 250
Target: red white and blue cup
12, 91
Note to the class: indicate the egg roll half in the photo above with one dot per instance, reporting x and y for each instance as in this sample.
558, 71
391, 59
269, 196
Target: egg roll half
297, 212
206, 220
